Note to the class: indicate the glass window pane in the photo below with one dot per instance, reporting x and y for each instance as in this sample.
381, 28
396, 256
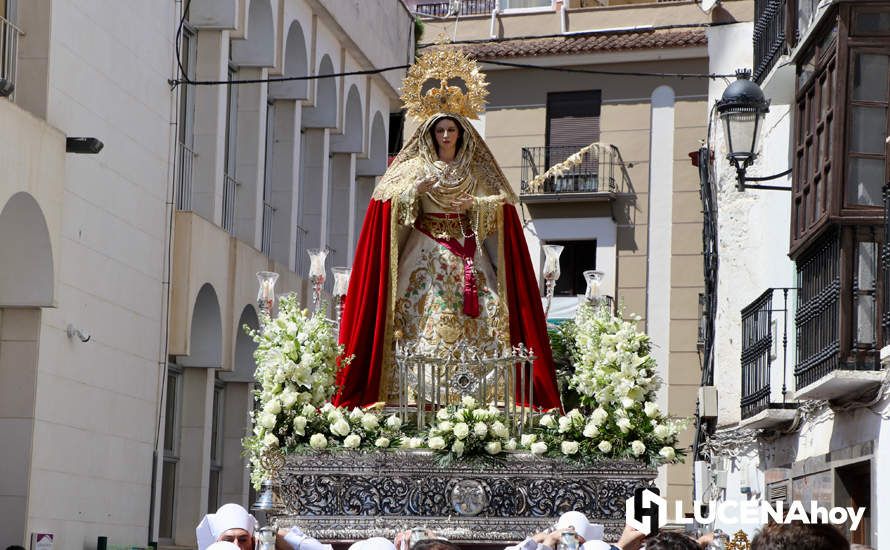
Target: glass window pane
871, 22
170, 413
864, 181
168, 484
868, 129
213, 491
216, 427
870, 77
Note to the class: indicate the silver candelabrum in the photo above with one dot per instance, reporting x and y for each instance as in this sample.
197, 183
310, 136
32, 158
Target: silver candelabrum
551, 272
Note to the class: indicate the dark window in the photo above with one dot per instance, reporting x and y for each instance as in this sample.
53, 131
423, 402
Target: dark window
396, 130
573, 121
577, 257
867, 127
852, 488
171, 452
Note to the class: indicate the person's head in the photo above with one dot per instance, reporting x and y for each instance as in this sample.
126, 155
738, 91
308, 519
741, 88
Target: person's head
434, 544
799, 536
231, 523
241, 537
666, 540
583, 527
373, 543
447, 134
223, 545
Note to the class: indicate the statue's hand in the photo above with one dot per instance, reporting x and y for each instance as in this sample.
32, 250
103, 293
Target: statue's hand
462, 203
425, 184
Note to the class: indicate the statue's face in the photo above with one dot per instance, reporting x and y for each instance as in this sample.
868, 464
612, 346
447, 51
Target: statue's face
238, 536
447, 133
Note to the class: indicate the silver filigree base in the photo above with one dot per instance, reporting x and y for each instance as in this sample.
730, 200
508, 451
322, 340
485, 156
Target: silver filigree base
346, 496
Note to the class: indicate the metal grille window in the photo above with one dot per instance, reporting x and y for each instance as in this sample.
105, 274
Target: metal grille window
230, 184
9, 47
268, 209
186, 124
216, 432
769, 35
818, 313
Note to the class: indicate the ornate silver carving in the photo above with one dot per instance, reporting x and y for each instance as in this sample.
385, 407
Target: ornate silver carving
350, 495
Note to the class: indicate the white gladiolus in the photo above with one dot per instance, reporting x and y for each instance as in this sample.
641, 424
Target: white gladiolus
436, 443
340, 427
605, 446
637, 447
569, 447
480, 429
493, 447
352, 441
668, 453
538, 448
369, 421
393, 422
623, 424
458, 447
318, 441
461, 430
300, 425
382, 442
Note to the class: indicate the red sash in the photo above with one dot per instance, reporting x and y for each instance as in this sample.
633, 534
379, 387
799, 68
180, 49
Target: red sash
466, 252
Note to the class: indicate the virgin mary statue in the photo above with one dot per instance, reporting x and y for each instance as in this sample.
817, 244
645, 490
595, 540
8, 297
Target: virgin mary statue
441, 257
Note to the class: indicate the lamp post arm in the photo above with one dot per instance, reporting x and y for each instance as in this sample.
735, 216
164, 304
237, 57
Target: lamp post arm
743, 179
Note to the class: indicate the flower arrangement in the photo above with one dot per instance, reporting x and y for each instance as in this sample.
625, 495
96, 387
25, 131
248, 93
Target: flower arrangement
469, 431
616, 382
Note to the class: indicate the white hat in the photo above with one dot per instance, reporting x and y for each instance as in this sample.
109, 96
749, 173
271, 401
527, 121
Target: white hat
373, 543
228, 516
223, 545
583, 527
596, 545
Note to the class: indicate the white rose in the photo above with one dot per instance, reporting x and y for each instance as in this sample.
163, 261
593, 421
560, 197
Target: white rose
288, 399
445, 426
668, 453
498, 429
569, 447
369, 421
382, 442
527, 439
436, 443
468, 401
356, 413
300, 425
458, 447
599, 416
267, 420
623, 424
394, 422
605, 446
662, 431
318, 441
565, 424
327, 407
637, 448
270, 440
461, 430
539, 448
493, 447
627, 402
651, 409
352, 441
273, 406
308, 410
510, 445
340, 427
415, 442
480, 429
574, 413
481, 414
591, 431
443, 414
547, 421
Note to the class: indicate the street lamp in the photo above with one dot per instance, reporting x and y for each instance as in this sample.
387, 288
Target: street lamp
742, 109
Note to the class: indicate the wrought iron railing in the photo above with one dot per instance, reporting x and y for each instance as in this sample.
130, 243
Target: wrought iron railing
185, 160
466, 7
769, 35
762, 320
9, 52
268, 217
230, 192
599, 170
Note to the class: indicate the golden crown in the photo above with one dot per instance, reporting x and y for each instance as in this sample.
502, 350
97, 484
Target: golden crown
445, 64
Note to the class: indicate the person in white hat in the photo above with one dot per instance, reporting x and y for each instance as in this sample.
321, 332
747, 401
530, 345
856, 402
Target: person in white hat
233, 524
549, 540
373, 543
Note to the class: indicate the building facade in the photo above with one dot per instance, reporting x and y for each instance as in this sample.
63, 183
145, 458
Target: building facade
800, 317
126, 277
631, 209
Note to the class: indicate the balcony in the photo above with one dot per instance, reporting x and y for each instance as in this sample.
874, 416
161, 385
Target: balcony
9, 51
765, 342
838, 317
595, 175
769, 35
466, 7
